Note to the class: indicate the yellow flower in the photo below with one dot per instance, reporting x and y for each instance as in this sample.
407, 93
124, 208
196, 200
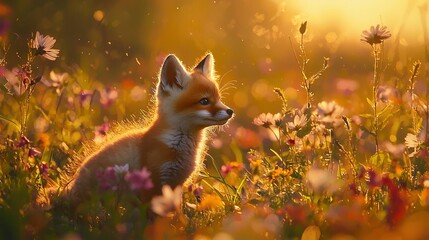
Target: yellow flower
210, 202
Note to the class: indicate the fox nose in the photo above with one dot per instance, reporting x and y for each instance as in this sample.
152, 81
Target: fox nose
229, 111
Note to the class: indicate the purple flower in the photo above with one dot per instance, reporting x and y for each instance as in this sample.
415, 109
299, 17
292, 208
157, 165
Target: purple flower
32, 152
139, 179
85, 95
107, 179
22, 142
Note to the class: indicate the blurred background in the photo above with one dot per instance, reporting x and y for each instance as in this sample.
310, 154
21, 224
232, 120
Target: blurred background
123, 43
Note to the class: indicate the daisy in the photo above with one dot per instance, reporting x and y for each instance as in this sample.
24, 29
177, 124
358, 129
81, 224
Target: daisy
43, 46
375, 35
329, 112
299, 121
268, 119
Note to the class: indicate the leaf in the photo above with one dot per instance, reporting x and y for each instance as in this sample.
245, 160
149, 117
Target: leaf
304, 131
365, 115
380, 159
15, 124
370, 102
312, 232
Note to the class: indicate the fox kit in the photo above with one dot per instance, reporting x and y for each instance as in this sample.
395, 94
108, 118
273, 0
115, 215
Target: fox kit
172, 148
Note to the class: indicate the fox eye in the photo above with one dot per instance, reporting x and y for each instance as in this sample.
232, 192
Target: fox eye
204, 101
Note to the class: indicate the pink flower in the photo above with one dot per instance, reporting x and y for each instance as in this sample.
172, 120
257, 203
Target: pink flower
57, 81
231, 167
139, 179
43, 46
85, 95
101, 132
107, 179
22, 142
32, 152
107, 96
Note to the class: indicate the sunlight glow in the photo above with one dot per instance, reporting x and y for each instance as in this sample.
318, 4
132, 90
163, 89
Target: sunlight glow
351, 17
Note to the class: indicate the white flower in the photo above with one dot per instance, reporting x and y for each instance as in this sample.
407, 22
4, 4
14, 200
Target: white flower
329, 112
411, 141
169, 202
121, 169
43, 46
321, 180
57, 81
299, 121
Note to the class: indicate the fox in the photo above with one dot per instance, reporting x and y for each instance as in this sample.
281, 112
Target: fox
173, 146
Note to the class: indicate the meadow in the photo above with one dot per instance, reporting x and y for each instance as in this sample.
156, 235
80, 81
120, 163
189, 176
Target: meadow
329, 138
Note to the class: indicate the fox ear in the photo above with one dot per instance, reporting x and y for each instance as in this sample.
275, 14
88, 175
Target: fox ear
206, 66
173, 74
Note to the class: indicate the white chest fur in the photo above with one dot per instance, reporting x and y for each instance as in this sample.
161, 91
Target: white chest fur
185, 145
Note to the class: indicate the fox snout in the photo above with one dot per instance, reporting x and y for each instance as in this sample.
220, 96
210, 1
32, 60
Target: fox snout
220, 105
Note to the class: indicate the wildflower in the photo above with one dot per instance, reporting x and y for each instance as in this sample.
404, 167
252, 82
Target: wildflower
85, 95
121, 169
32, 152
322, 180
411, 141
267, 119
231, 167
139, 179
210, 201
169, 202
387, 94
198, 191
397, 203
43, 46
108, 96
291, 142
278, 172
395, 150
107, 179
57, 81
43, 168
22, 142
299, 121
101, 132
329, 112
375, 35
347, 86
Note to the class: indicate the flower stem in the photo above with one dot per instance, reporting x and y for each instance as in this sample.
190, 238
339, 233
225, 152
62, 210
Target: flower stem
375, 85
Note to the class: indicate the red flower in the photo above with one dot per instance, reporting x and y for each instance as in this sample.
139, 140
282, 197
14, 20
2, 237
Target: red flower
397, 204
